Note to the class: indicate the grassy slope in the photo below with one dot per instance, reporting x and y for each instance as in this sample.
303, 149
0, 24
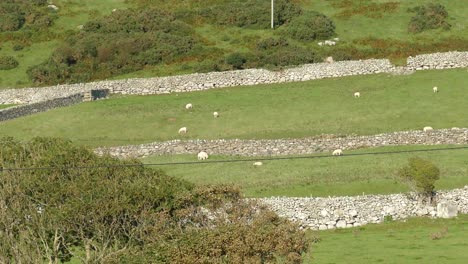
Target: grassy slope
387, 103
230, 39
394, 242
347, 175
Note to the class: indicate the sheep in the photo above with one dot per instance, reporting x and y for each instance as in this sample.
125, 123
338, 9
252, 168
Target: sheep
215, 114
54, 7
320, 43
435, 89
183, 130
427, 129
257, 163
357, 94
202, 155
337, 152
188, 106
336, 39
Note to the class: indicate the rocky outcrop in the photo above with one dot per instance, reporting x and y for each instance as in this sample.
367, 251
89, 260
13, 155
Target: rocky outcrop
321, 213
324, 143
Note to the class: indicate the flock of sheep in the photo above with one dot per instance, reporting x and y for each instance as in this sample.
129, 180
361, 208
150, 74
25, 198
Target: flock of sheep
202, 155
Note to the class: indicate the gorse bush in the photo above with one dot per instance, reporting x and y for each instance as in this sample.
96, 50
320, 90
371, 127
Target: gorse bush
125, 213
254, 14
311, 26
8, 63
18, 14
123, 42
429, 16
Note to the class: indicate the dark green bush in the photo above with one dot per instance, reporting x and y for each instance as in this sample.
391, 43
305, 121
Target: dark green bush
16, 14
429, 16
236, 60
255, 13
18, 47
311, 26
8, 63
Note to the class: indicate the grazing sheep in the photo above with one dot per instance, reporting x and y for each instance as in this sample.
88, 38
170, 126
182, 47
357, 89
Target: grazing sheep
257, 163
336, 39
337, 152
183, 130
202, 155
435, 89
215, 114
320, 43
427, 129
54, 7
115, 9
357, 94
188, 106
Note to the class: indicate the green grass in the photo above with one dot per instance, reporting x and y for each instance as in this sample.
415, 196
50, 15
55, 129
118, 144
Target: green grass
292, 110
394, 242
346, 175
5, 106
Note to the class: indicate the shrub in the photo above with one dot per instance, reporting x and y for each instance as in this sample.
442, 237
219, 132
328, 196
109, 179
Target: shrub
101, 208
8, 63
16, 14
236, 60
311, 26
420, 175
429, 16
18, 47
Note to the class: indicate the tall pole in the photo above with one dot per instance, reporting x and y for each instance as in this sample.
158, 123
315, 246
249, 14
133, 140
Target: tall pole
272, 14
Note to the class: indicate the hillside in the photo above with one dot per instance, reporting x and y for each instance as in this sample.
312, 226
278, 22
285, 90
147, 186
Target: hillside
90, 40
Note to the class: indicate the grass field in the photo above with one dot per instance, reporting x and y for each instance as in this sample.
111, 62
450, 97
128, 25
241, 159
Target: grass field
347, 175
356, 30
394, 242
388, 103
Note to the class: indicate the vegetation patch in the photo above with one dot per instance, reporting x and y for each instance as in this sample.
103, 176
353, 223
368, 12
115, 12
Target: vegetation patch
311, 26
92, 209
429, 16
8, 62
367, 8
31, 15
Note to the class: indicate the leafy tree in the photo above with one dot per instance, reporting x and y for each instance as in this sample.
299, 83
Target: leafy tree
421, 175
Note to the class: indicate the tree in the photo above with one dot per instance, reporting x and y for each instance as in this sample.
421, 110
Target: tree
420, 175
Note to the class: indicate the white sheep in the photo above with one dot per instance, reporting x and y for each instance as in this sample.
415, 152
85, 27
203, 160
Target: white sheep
202, 155
257, 163
320, 43
54, 7
357, 94
427, 129
188, 106
336, 39
215, 114
435, 89
337, 152
183, 130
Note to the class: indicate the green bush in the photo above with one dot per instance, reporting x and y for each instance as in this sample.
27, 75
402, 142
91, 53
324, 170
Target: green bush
236, 60
8, 63
100, 208
429, 16
420, 175
254, 14
311, 26
18, 14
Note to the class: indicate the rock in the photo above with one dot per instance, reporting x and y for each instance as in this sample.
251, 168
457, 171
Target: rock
341, 224
446, 210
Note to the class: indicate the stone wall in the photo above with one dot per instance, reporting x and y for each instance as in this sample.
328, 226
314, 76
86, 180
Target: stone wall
197, 82
29, 109
325, 143
350, 211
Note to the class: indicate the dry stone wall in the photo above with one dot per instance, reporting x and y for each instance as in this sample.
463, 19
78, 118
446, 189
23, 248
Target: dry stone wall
320, 213
197, 82
29, 109
326, 143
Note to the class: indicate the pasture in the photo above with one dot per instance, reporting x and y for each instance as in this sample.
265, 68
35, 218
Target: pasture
323, 176
411, 241
290, 110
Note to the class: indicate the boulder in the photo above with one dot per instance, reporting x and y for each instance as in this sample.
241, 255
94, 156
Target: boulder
446, 210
